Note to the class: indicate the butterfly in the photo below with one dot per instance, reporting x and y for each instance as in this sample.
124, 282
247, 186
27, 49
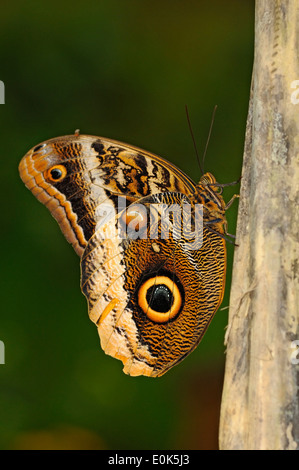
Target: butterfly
151, 298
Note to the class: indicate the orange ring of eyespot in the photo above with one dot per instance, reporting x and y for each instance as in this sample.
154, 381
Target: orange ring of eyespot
160, 317
56, 167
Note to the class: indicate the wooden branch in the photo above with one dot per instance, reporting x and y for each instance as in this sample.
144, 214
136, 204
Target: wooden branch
260, 405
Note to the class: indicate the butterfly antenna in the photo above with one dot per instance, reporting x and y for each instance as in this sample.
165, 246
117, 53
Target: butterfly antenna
209, 135
193, 139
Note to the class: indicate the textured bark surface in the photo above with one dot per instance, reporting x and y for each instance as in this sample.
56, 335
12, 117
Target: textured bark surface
260, 402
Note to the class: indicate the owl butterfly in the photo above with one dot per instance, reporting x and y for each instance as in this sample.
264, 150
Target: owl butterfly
151, 299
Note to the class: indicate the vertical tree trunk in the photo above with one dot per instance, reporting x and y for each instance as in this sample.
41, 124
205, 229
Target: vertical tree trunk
260, 404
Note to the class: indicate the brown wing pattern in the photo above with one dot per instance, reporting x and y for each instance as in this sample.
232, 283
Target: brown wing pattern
152, 300
97, 170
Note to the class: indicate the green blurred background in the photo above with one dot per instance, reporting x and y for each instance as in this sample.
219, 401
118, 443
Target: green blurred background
123, 69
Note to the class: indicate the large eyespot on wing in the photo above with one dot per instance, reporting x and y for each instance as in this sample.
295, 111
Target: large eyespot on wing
160, 298
152, 300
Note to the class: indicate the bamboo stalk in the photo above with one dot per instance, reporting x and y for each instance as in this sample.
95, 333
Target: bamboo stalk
260, 405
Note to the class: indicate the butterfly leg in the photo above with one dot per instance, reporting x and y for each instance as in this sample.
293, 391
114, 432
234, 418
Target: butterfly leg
231, 201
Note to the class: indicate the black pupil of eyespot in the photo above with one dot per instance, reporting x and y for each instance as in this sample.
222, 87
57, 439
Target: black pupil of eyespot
159, 298
56, 173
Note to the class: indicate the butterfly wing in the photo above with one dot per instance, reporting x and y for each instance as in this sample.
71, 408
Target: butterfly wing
80, 179
94, 171
151, 299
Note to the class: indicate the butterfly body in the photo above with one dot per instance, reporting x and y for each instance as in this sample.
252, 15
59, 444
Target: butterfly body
152, 298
